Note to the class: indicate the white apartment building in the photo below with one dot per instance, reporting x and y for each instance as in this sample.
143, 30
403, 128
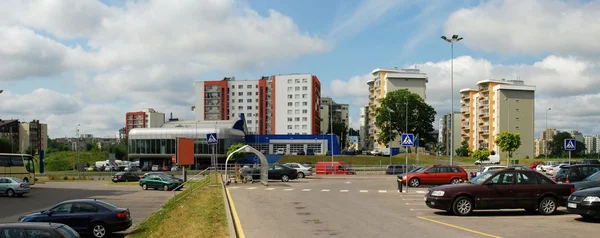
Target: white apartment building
154, 119
296, 103
590, 144
243, 98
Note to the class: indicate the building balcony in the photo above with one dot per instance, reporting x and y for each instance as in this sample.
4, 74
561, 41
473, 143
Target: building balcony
464, 110
484, 132
484, 104
466, 97
484, 114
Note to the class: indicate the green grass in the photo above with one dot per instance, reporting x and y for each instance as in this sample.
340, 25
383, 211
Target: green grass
197, 213
65, 160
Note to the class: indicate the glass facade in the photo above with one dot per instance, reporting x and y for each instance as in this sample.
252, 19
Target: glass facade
169, 146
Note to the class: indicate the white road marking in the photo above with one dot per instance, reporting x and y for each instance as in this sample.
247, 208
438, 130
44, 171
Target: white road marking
421, 191
325, 190
252, 188
269, 189
306, 190
347, 182
420, 209
343, 191
233, 187
288, 189
364, 191
382, 191
416, 204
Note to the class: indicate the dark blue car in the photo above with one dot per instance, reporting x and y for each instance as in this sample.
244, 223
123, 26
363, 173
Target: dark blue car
92, 216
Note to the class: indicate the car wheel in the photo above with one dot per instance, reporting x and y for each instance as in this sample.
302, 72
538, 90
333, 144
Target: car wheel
99, 230
454, 181
165, 188
462, 206
10, 193
300, 175
144, 186
285, 178
414, 182
547, 206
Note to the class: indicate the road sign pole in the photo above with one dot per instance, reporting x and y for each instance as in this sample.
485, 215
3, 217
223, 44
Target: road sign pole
406, 167
569, 157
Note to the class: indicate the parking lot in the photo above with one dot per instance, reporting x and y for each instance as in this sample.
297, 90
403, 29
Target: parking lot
43, 196
371, 207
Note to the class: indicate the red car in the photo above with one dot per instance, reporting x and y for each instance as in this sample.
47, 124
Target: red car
436, 174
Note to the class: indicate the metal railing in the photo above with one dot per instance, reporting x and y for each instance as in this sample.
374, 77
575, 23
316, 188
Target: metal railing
202, 183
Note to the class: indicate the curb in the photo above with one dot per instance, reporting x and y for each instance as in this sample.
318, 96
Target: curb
232, 232
235, 226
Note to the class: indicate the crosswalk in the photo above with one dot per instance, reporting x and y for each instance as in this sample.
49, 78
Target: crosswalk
326, 190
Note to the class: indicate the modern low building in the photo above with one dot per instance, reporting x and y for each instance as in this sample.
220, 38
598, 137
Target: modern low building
292, 144
494, 107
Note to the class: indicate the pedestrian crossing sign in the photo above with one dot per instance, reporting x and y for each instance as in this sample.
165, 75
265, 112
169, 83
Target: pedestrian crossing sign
570, 144
211, 139
408, 139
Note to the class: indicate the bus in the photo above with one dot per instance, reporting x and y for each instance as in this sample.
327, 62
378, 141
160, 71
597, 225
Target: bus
21, 166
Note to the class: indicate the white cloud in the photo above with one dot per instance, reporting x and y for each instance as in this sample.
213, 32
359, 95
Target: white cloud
365, 14
145, 54
353, 87
529, 27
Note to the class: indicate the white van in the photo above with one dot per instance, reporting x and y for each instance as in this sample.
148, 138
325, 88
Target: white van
492, 159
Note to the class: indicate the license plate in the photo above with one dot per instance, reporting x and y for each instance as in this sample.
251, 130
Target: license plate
572, 205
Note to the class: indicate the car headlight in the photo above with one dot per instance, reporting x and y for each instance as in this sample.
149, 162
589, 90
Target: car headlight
591, 199
437, 193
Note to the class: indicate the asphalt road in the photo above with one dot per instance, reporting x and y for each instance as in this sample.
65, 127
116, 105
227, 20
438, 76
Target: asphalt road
372, 207
43, 196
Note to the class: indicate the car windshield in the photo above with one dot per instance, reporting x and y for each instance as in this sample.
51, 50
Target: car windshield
562, 172
593, 177
482, 177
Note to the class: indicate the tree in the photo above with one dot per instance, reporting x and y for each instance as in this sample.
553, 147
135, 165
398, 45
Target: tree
557, 146
392, 116
5, 145
508, 142
55, 146
481, 155
341, 131
239, 156
463, 150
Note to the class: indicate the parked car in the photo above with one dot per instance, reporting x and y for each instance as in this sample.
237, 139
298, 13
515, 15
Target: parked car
161, 174
37, 229
156, 182
92, 216
125, 177
500, 190
310, 152
585, 203
487, 168
591, 181
300, 152
12, 186
280, 151
591, 161
155, 168
436, 174
554, 169
397, 169
336, 168
303, 170
277, 172
575, 173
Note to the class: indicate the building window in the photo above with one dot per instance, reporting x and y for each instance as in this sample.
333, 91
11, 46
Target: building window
289, 89
256, 107
297, 111
297, 104
297, 88
304, 119
297, 119
240, 100
249, 107
249, 121
304, 127
289, 112
304, 88
241, 94
304, 103
256, 94
232, 114
296, 127
304, 95
297, 80
304, 111
290, 119
240, 86
297, 96
232, 93
289, 127
241, 107
249, 100
249, 93
248, 86
289, 104
290, 80
256, 86
305, 80
289, 96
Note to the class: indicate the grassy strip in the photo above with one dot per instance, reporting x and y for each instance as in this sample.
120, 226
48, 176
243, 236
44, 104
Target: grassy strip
197, 213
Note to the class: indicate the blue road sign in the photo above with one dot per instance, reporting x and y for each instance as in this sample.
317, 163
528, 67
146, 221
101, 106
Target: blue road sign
211, 139
570, 144
408, 140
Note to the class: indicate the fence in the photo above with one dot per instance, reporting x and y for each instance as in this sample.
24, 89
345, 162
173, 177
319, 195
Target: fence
194, 185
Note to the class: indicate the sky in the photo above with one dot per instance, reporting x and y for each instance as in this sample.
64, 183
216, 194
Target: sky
89, 62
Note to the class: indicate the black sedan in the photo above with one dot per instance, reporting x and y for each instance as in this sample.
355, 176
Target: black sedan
276, 172
593, 181
37, 229
92, 216
585, 203
125, 177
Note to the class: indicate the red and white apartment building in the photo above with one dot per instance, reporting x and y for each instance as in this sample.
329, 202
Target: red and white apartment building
147, 118
279, 104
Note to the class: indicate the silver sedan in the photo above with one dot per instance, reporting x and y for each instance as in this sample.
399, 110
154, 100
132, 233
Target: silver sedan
12, 186
303, 171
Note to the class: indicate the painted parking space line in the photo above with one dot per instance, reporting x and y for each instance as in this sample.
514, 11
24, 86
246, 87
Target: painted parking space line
250, 188
324, 190
364, 191
269, 189
416, 204
412, 199
343, 191
420, 209
233, 187
306, 190
288, 189
382, 191
458, 227
422, 192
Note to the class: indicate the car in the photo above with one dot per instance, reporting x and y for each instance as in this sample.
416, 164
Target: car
499, 189
436, 174
585, 203
156, 182
575, 173
397, 169
155, 168
162, 174
487, 168
300, 152
280, 151
92, 216
12, 186
37, 229
125, 177
591, 181
303, 170
276, 172
310, 152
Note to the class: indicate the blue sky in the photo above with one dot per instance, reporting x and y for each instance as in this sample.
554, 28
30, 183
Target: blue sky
109, 57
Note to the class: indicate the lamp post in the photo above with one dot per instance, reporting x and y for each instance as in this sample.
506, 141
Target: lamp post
390, 137
77, 148
455, 38
546, 133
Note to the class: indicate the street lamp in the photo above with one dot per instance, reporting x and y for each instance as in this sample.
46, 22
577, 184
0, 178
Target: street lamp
331, 125
77, 148
546, 133
455, 38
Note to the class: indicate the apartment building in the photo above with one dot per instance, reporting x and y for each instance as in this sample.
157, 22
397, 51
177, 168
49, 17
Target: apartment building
147, 118
363, 138
330, 110
497, 106
23, 135
280, 104
388, 80
577, 136
590, 144
445, 133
